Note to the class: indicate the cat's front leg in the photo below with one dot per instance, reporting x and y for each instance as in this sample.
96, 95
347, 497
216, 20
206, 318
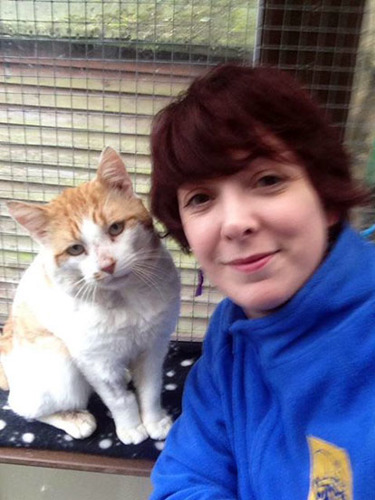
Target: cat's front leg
111, 385
123, 406
147, 377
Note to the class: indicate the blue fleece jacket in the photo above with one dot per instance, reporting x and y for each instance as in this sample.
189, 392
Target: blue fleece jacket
283, 407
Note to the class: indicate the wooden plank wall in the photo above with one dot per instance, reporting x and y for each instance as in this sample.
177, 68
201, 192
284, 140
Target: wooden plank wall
56, 115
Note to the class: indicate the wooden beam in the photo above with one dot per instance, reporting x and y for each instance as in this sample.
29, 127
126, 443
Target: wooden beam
76, 461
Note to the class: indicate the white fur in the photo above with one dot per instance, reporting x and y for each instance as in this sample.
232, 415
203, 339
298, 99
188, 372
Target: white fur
117, 322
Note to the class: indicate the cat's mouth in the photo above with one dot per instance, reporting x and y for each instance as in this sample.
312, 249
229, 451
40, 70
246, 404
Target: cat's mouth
111, 280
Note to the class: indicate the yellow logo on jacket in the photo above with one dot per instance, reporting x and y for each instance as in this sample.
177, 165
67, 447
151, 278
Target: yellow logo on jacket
330, 472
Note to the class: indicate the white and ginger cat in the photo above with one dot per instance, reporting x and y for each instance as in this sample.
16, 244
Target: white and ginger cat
99, 301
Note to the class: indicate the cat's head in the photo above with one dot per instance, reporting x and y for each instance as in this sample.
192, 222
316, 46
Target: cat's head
93, 234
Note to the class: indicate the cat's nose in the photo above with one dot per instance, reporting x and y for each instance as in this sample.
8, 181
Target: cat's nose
110, 268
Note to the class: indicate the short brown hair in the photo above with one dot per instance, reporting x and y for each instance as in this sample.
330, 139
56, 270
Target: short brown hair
224, 111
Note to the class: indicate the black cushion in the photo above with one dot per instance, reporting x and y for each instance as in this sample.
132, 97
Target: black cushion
18, 432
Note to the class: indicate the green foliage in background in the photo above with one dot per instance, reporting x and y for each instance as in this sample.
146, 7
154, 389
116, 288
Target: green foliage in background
213, 23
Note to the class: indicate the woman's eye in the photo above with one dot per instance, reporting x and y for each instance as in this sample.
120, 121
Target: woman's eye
269, 180
198, 199
75, 250
116, 228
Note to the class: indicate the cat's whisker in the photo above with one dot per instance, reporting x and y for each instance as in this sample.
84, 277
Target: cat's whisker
144, 279
126, 262
151, 253
126, 265
141, 260
148, 264
140, 257
152, 270
145, 252
89, 293
80, 291
143, 256
78, 282
155, 280
84, 292
148, 280
94, 293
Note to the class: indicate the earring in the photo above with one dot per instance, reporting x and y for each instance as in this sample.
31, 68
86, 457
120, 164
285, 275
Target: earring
199, 289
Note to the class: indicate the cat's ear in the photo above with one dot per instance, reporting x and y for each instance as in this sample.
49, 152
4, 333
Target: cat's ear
112, 171
32, 217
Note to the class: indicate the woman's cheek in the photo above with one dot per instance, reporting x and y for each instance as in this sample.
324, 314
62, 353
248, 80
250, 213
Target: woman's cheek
198, 235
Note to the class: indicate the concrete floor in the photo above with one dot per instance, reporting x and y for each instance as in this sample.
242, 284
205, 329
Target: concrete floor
18, 482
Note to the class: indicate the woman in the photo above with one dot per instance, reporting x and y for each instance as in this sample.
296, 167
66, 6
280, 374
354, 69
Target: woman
251, 178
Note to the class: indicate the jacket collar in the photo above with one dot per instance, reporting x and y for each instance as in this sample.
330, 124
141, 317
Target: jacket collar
344, 280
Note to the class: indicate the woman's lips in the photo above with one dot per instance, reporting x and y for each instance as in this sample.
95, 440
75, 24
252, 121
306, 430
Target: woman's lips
252, 263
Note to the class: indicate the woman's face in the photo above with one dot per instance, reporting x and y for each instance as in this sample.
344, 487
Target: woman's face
258, 234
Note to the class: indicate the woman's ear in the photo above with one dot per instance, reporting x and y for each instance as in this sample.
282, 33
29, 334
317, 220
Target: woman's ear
332, 218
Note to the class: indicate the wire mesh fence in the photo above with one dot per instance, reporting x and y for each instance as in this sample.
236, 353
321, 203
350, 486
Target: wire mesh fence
79, 75
329, 45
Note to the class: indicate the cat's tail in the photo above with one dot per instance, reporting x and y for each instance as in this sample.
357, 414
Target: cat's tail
4, 341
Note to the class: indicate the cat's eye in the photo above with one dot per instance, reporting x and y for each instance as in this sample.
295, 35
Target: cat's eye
116, 228
75, 250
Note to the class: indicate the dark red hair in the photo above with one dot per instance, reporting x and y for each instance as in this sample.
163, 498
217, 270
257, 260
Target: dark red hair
229, 109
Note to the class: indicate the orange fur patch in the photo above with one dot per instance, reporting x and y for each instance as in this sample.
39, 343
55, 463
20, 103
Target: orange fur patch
6, 339
95, 201
22, 327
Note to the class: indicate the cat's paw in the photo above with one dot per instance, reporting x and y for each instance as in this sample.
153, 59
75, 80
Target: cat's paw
82, 425
134, 435
78, 424
159, 430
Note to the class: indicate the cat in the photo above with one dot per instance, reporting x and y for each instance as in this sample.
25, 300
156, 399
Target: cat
98, 302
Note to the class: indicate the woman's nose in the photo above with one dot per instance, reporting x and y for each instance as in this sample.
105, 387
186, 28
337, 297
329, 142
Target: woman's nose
238, 220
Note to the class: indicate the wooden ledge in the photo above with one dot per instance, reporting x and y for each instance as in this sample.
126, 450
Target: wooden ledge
76, 461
